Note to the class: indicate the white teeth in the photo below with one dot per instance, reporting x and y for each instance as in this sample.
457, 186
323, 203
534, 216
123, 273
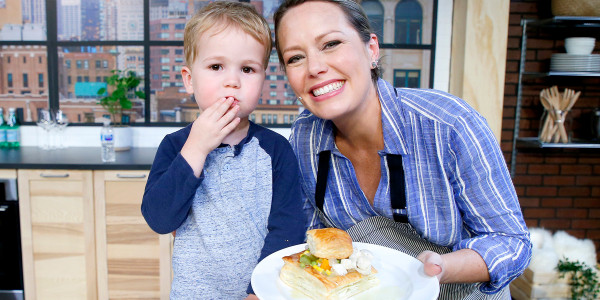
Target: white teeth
328, 88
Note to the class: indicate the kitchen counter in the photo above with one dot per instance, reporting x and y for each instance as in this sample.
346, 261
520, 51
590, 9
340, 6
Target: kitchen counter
78, 158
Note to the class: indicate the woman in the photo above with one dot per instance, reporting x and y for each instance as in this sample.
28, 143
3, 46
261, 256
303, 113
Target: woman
417, 170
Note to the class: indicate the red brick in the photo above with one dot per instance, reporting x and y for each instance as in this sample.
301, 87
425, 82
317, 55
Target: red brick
595, 191
588, 180
593, 234
543, 169
528, 179
555, 224
587, 202
586, 224
572, 213
589, 160
541, 191
556, 202
541, 213
532, 222
559, 180
576, 169
594, 213
529, 202
561, 159
574, 191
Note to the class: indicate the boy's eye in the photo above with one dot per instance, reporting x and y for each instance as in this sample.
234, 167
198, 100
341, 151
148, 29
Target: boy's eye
331, 44
247, 70
215, 67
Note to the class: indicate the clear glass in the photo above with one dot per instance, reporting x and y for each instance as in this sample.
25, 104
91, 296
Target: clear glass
22, 20
406, 68
45, 126
18, 62
100, 20
84, 70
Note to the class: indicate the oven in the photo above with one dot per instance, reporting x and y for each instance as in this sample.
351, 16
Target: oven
11, 269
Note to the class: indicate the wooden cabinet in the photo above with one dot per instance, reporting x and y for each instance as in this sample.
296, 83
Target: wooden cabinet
57, 234
83, 237
132, 260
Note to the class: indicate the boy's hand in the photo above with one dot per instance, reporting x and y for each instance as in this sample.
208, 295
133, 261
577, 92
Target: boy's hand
208, 131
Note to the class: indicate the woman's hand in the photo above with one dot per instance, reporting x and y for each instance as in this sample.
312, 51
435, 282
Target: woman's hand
462, 266
433, 263
251, 297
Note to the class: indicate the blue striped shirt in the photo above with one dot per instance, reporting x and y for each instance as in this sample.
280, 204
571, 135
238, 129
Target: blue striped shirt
458, 190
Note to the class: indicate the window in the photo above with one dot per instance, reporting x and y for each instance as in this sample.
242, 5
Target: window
40, 80
409, 18
374, 11
25, 80
103, 35
407, 78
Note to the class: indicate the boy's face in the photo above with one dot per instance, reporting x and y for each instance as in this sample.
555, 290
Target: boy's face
228, 64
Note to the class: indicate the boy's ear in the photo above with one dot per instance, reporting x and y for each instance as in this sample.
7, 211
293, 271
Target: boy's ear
186, 75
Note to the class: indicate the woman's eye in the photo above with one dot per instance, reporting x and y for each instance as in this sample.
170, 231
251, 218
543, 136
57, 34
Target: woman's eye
215, 67
247, 70
331, 44
293, 59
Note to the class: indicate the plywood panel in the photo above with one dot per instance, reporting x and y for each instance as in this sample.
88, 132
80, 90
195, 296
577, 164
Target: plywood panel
133, 260
58, 237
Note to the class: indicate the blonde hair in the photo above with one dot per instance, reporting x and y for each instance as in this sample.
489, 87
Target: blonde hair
224, 14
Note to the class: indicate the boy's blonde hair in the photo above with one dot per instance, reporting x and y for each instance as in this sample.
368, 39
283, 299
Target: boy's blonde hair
226, 13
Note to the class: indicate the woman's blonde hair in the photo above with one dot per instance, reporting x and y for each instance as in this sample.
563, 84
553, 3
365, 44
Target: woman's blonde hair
224, 14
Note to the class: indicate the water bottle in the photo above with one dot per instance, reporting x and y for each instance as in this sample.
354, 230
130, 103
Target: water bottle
3, 143
108, 142
13, 138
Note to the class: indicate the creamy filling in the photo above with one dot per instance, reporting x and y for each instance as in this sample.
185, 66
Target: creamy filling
328, 88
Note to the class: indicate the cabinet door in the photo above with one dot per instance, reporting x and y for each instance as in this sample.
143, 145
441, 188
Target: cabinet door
133, 260
57, 234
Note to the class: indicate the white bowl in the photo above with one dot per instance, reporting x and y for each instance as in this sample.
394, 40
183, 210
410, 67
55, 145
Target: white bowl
580, 45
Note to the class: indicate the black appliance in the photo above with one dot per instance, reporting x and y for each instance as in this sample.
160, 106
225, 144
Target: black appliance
11, 269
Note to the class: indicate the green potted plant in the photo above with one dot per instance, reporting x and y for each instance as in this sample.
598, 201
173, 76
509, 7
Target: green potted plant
116, 100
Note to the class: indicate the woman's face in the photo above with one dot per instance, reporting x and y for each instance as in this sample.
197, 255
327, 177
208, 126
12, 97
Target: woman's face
327, 64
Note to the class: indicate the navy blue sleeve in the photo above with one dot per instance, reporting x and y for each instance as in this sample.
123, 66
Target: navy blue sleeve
170, 187
286, 219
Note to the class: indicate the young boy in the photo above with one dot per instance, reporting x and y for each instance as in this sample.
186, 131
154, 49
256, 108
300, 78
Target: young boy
230, 188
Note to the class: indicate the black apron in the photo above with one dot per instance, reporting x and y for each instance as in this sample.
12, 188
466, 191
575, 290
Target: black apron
398, 233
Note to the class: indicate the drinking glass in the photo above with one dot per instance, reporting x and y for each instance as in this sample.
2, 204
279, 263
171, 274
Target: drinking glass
61, 123
45, 122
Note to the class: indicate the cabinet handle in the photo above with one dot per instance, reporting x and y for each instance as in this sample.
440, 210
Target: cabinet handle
130, 176
54, 175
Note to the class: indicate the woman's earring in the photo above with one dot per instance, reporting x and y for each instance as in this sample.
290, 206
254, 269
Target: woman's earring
374, 64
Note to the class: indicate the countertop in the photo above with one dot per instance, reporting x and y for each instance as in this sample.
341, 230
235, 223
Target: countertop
78, 158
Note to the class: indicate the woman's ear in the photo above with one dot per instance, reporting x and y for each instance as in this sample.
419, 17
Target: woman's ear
186, 75
373, 47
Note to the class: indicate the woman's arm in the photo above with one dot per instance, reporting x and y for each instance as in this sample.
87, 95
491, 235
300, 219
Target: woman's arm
464, 265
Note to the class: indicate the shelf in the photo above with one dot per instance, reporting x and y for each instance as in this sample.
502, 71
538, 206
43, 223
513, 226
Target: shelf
561, 21
555, 73
534, 143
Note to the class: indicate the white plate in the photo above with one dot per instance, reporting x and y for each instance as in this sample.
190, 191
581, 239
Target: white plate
401, 276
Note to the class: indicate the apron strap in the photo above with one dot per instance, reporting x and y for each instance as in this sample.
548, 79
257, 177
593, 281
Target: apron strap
397, 183
397, 187
322, 173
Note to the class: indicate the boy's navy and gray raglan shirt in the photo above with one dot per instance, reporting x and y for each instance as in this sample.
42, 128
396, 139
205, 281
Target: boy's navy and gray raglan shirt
245, 205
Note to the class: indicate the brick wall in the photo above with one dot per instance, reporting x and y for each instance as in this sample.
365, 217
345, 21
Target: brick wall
559, 189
